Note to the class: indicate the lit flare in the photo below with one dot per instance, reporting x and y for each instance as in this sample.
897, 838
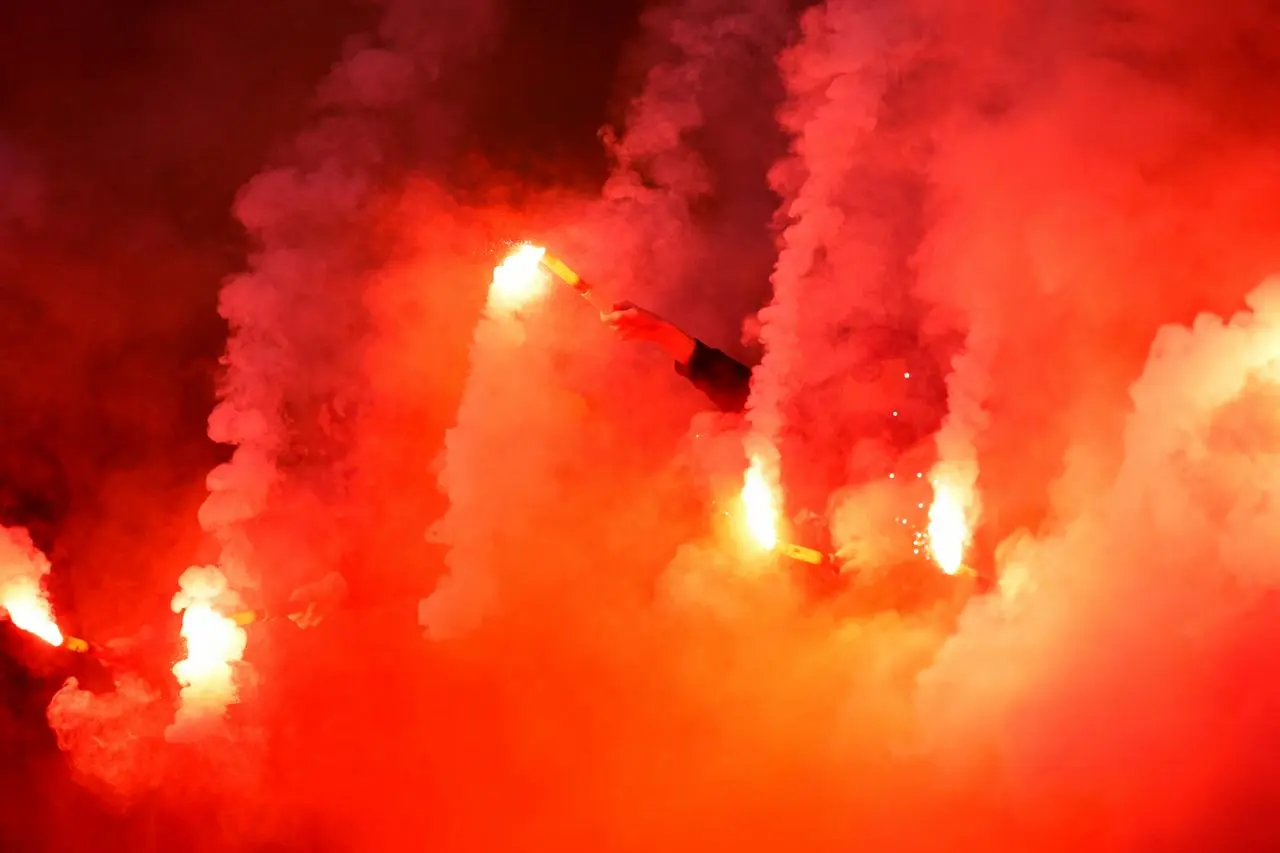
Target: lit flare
214, 642
29, 609
948, 532
215, 645
760, 506
519, 279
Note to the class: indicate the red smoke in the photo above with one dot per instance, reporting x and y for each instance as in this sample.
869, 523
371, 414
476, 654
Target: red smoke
1026, 210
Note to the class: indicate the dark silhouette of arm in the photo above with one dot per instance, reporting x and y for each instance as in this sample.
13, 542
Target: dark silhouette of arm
725, 381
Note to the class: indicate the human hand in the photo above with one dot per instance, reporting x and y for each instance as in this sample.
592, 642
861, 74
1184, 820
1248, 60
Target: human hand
312, 603
864, 558
633, 323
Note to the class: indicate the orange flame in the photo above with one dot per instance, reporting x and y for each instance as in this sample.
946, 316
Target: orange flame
948, 532
519, 279
28, 608
760, 506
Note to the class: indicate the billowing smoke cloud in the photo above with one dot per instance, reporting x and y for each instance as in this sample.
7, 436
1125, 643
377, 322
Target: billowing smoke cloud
1015, 185
688, 184
1017, 200
681, 227
112, 740
1111, 669
844, 388
294, 378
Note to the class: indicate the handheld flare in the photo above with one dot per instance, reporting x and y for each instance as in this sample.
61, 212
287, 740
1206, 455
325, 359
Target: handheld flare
561, 270
802, 554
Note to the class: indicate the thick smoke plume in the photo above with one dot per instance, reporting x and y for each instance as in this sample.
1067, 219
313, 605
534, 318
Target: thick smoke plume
112, 740
302, 321
1003, 223
1116, 648
295, 362
845, 389
1059, 267
1008, 204
687, 189
695, 702
681, 227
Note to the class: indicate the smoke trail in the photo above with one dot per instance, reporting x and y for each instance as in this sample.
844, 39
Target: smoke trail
1093, 671
844, 389
294, 362
1103, 231
686, 187
773, 718
649, 239
291, 396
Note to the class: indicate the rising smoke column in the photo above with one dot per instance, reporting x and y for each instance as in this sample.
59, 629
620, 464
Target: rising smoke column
1060, 244
1126, 660
111, 738
468, 592
844, 387
1045, 218
646, 239
294, 362
688, 172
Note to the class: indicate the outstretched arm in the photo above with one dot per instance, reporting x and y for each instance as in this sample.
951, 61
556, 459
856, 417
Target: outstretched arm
726, 381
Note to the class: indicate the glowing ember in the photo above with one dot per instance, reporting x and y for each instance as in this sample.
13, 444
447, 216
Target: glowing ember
215, 644
28, 608
948, 530
519, 279
760, 506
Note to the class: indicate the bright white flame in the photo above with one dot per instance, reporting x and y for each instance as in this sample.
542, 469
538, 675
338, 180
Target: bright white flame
29, 609
215, 645
760, 506
948, 534
22, 568
519, 279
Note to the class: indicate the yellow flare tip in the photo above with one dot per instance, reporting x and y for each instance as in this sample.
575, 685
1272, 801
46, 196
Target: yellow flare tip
801, 553
561, 270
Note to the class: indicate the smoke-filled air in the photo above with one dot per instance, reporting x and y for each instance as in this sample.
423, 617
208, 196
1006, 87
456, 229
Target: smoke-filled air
679, 425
